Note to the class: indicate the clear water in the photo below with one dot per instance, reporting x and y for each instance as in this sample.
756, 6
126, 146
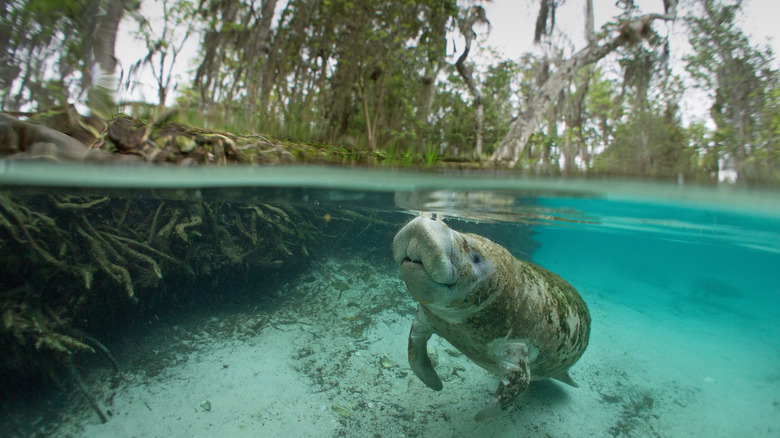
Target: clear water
682, 281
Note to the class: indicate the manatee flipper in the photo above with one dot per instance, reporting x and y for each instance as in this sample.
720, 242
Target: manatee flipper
514, 379
418, 351
565, 377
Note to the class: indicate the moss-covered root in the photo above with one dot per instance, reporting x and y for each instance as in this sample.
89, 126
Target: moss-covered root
180, 228
116, 272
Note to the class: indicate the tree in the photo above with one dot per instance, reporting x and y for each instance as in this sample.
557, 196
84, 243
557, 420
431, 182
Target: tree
629, 30
649, 144
744, 87
474, 15
164, 46
452, 106
235, 47
50, 49
332, 69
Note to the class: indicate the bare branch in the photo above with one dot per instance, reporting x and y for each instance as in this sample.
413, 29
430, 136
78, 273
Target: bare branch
514, 143
546, 13
590, 33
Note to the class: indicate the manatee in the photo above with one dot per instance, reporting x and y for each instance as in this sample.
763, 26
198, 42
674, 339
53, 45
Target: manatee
511, 317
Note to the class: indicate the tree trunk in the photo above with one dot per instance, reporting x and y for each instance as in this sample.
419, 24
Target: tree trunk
515, 141
103, 49
428, 92
371, 122
475, 14
261, 49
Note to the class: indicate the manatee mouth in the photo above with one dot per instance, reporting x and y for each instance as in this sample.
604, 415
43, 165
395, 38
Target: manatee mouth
417, 267
416, 262
408, 264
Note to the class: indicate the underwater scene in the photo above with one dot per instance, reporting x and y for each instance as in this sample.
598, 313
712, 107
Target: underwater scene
324, 302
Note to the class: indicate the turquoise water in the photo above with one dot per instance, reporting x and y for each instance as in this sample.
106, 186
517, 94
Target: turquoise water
682, 282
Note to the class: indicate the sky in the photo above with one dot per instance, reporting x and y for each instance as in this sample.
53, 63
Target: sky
513, 21
511, 33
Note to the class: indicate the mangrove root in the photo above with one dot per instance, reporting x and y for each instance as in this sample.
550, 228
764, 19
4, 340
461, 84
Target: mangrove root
194, 220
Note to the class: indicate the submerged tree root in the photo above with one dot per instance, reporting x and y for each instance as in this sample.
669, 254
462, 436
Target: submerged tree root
84, 260
100, 346
83, 249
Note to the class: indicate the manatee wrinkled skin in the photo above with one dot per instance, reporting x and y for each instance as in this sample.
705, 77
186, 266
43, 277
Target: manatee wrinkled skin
513, 318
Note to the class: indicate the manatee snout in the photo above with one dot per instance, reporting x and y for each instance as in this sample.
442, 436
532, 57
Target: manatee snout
426, 244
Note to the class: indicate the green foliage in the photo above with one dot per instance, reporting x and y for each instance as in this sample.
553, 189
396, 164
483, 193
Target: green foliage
431, 154
332, 70
743, 84
648, 144
48, 49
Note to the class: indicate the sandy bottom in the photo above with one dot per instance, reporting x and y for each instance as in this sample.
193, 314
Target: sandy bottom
328, 358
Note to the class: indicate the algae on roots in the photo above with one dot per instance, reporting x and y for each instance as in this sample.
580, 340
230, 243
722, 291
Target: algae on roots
83, 249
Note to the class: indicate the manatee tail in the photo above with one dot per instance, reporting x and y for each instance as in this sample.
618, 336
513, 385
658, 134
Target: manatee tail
566, 378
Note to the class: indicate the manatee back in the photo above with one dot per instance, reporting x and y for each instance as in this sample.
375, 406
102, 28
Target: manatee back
558, 322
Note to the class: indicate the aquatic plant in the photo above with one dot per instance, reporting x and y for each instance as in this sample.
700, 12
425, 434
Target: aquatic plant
431, 154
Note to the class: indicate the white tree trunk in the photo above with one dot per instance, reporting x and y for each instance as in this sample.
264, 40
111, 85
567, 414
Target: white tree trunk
514, 143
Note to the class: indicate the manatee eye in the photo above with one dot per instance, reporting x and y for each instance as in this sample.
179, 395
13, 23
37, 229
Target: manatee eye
476, 258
